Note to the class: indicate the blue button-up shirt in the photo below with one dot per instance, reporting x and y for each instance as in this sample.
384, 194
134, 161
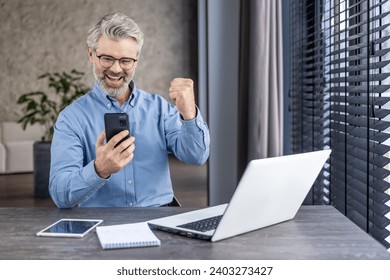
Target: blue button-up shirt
158, 130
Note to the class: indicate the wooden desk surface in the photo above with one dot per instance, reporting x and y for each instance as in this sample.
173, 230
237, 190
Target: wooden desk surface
317, 232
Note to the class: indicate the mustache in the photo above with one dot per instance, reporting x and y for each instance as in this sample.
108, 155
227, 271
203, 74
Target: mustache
113, 74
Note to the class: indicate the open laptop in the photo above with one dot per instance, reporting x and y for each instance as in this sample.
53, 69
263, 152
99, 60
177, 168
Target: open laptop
270, 191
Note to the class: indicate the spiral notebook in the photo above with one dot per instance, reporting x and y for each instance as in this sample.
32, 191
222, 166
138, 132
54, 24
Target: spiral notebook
126, 236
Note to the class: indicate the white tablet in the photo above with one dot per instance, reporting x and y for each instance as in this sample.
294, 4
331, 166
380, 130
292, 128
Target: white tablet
70, 228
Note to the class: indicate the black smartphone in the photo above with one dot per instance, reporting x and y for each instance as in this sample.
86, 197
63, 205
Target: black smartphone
115, 123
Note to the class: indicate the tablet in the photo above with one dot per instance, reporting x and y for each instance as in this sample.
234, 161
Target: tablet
70, 228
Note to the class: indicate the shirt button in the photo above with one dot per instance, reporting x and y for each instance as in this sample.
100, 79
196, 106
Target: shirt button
130, 182
109, 105
130, 204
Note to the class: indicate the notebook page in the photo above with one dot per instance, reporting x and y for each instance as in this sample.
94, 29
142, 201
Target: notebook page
126, 236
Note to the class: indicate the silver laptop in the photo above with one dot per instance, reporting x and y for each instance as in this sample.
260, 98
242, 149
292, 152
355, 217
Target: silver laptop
270, 191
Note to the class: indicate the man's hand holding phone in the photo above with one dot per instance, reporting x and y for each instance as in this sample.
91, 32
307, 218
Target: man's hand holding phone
118, 151
113, 156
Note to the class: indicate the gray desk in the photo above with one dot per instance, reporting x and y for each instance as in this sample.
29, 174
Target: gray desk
317, 232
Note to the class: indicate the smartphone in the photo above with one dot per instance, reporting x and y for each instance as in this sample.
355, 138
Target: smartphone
115, 123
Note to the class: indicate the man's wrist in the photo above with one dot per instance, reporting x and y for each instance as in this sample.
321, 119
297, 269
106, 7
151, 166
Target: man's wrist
101, 174
189, 116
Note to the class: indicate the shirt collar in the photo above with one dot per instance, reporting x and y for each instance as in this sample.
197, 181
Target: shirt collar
109, 101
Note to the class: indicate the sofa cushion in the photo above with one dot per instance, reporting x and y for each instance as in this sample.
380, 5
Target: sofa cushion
13, 131
19, 156
16, 146
2, 158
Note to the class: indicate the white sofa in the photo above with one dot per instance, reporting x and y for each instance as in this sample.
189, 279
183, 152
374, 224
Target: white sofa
16, 147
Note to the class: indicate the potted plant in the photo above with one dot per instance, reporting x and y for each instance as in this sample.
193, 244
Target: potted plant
43, 108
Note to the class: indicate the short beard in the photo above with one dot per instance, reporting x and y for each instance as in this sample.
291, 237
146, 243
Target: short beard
112, 92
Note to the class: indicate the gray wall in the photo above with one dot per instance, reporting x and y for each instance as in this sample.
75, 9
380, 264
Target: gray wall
37, 36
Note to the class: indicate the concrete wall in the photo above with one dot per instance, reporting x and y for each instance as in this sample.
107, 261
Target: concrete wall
37, 36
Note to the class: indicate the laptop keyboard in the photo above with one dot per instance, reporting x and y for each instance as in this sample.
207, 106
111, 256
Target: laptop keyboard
203, 225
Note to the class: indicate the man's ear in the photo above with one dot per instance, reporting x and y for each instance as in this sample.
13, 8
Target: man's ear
90, 54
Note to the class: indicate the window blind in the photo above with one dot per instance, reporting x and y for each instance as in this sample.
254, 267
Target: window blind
340, 99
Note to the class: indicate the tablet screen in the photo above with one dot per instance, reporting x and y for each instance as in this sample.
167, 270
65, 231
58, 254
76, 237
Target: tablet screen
70, 228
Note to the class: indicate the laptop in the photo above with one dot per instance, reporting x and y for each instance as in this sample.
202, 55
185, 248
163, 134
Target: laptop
270, 191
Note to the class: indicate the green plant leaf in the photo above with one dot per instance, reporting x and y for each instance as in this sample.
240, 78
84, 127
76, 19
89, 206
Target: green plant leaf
43, 75
32, 105
41, 107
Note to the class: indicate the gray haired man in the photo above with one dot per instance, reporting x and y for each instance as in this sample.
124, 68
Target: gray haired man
88, 171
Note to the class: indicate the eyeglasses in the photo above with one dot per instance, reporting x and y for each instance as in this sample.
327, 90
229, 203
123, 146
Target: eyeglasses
106, 61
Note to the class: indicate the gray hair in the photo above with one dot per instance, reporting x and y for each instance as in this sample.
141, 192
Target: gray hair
115, 26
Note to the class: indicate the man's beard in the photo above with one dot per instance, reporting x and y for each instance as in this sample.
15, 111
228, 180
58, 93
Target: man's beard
112, 92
